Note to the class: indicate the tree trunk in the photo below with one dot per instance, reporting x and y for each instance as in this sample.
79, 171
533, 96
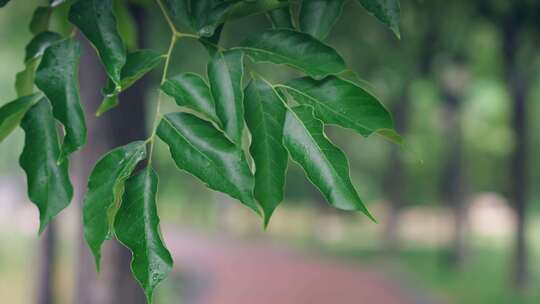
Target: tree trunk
45, 288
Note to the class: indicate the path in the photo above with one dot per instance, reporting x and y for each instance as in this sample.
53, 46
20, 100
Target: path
230, 272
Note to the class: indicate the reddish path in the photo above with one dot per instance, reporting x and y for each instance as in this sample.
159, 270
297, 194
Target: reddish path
230, 272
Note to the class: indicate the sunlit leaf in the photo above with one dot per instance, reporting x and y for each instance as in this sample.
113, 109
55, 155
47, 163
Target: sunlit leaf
202, 150
48, 181
105, 190
137, 227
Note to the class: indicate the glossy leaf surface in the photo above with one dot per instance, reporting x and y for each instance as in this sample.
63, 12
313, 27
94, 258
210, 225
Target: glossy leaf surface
105, 190
49, 187
317, 17
225, 73
325, 165
96, 20
340, 102
298, 50
202, 150
137, 227
387, 11
265, 117
12, 113
40, 43
191, 91
58, 77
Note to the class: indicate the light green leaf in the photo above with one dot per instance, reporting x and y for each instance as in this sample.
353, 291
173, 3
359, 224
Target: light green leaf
317, 17
58, 77
96, 20
225, 73
48, 182
202, 150
325, 165
137, 227
40, 43
138, 64
265, 117
340, 102
12, 113
105, 190
191, 91
24, 80
40, 19
387, 11
212, 43
127, 27
298, 50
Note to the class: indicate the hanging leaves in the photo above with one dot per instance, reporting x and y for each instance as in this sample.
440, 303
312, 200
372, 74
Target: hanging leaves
387, 11
12, 113
317, 17
48, 181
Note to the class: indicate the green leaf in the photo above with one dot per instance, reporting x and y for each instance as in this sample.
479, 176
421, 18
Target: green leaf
225, 73
191, 91
40, 43
58, 77
12, 113
137, 227
387, 11
105, 190
317, 17
325, 165
281, 18
24, 80
3, 3
55, 3
180, 11
202, 150
48, 182
96, 20
298, 50
138, 64
212, 43
340, 102
40, 19
250, 8
127, 27
265, 117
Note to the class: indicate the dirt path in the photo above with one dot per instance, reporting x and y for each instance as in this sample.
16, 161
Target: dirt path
222, 271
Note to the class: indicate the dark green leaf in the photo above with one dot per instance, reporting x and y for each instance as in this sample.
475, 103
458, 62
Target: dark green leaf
137, 227
138, 64
40, 19
225, 72
48, 181
191, 91
202, 150
325, 165
265, 117
281, 18
12, 113
212, 43
387, 11
40, 43
342, 103
317, 17
298, 50
249, 8
3, 3
105, 190
58, 77
96, 20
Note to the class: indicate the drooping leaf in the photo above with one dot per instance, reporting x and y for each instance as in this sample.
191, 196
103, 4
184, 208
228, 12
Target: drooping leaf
105, 190
57, 77
96, 20
24, 80
202, 150
191, 91
340, 102
40, 43
12, 113
325, 165
138, 64
387, 11
137, 227
225, 73
281, 18
40, 19
298, 50
317, 17
265, 117
48, 181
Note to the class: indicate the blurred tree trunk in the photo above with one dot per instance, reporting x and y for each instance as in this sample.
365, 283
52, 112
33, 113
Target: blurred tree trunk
47, 244
518, 89
393, 179
115, 128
